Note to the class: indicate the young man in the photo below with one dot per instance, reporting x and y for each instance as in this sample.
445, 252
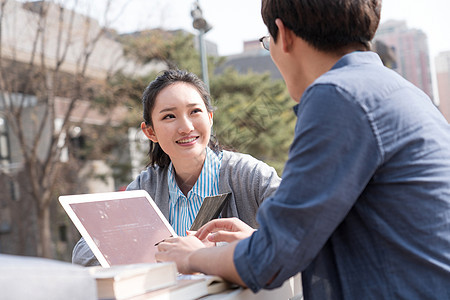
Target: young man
363, 210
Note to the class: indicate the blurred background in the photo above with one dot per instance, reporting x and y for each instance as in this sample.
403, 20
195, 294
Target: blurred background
72, 74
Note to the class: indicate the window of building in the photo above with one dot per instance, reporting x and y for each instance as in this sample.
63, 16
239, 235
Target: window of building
5, 156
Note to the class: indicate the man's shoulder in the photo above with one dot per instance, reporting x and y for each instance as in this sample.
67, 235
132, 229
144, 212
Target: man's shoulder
364, 83
351, 65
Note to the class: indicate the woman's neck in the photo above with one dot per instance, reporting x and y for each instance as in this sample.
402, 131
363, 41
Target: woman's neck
187, 172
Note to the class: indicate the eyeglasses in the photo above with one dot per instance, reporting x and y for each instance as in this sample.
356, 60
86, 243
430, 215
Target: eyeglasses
265, 42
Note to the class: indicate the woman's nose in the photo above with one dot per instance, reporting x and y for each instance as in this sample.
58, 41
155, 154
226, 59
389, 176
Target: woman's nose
186, 126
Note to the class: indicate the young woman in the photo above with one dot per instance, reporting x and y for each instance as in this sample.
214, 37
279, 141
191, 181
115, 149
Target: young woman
186, 164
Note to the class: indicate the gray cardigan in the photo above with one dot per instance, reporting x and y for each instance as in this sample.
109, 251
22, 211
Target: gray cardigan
249, 181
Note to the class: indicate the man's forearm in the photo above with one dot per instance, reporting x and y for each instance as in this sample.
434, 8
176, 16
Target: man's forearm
216, 261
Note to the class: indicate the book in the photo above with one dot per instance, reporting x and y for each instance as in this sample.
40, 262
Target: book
210, 209
188, 287
125, 227
214, 284
125, 281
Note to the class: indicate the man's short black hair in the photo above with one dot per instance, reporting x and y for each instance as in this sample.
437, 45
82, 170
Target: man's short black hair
327, 25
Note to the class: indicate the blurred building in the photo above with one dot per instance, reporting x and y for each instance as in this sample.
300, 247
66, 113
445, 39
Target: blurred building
386, 53
411, 51
254, 59
442, 63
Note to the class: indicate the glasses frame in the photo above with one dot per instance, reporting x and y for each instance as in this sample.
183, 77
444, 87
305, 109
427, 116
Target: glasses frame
265, 42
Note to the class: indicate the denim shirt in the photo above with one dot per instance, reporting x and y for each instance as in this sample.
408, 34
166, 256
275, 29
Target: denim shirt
363, 209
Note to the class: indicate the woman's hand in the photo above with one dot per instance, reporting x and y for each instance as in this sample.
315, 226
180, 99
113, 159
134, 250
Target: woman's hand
224, 230
204, 241
178, 249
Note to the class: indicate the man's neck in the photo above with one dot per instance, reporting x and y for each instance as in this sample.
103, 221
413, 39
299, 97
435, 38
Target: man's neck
313, 63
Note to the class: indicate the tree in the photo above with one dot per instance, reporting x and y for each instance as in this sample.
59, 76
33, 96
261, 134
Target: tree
254, 113
47, 79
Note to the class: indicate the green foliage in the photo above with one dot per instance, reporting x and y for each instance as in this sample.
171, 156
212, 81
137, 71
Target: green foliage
129, 92
254, 115
175, 48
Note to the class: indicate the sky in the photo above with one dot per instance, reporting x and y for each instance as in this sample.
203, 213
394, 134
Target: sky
236, 21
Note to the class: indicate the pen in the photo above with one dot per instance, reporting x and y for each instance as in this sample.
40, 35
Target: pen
161, 241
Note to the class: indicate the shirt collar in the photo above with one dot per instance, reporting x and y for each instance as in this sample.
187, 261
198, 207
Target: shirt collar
357, 58
353, 58
207, 178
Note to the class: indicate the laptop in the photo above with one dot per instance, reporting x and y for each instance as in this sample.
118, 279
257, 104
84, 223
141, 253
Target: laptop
125, 227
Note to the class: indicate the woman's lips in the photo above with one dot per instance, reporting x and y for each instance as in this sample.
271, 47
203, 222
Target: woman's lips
187, 140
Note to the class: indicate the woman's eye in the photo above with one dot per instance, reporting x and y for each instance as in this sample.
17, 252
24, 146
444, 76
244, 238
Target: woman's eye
169, 116
196, 110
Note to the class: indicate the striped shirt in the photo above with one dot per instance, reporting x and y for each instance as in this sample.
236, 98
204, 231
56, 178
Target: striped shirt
182, 209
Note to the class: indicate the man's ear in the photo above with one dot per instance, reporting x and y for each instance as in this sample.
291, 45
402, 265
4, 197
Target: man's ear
285, 36
149, 133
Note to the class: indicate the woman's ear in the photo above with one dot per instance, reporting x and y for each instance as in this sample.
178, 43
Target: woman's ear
211, 114
149, 133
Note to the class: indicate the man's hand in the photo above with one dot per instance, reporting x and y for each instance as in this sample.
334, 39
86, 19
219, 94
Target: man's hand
224, 230
178, 249
191, 255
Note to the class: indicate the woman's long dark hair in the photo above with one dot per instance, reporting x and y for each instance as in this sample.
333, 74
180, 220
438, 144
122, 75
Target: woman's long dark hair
156, 154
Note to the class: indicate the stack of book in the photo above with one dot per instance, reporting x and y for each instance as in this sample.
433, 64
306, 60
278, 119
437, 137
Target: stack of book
153, 281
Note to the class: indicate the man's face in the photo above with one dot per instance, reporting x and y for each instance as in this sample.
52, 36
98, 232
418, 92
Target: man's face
283, 60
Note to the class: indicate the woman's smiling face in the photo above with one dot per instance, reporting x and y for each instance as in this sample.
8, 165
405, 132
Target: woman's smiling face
181, 122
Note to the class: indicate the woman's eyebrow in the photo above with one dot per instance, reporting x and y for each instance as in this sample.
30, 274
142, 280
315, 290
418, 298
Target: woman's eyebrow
193, 104
175, 108
167, 109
